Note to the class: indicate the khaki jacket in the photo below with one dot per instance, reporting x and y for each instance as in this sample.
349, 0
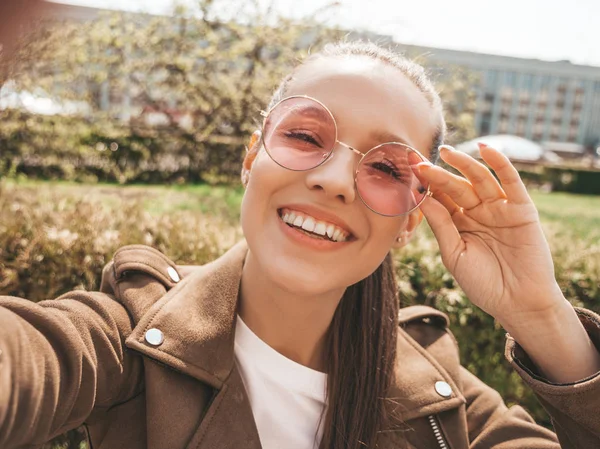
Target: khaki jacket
148, 362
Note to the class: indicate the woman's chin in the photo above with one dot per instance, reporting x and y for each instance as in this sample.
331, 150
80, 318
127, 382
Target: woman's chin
303, 282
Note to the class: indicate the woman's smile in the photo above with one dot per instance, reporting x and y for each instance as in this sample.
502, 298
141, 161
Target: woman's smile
309, 229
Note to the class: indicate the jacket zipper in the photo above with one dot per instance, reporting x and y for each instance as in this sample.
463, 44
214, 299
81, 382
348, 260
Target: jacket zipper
437, 432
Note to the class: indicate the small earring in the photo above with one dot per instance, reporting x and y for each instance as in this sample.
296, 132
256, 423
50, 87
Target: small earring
402, 237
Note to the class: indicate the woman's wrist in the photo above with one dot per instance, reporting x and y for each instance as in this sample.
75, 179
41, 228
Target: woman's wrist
558, 344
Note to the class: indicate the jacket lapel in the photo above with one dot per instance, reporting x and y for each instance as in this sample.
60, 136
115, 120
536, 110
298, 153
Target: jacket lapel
197, 318
413, 393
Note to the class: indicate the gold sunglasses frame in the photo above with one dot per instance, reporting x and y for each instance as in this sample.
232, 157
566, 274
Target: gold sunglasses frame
265, 115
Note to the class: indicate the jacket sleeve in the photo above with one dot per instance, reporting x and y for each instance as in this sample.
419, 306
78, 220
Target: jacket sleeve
492, 424
59, 360
575, 407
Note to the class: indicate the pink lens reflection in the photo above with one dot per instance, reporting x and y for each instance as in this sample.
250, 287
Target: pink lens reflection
299, 133
386, 182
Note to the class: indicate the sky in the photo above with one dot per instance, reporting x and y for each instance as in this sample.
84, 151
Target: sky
544, 29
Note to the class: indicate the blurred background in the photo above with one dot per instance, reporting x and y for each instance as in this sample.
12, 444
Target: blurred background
125, 122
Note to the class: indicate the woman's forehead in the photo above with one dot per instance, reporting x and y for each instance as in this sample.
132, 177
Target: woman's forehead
361, 90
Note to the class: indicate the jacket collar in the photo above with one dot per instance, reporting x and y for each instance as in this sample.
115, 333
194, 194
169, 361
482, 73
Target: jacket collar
197, 319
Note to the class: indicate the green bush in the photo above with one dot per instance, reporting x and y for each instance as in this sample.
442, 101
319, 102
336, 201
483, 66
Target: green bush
75, 149
574, 180
45, 250
563, 179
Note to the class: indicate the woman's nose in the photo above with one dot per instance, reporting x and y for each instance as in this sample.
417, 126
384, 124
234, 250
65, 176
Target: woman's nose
335, 177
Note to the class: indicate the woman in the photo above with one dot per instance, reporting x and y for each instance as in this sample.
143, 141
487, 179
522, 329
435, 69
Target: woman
294, 339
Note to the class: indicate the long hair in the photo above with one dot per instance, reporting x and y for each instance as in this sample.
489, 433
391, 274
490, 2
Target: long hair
361, 342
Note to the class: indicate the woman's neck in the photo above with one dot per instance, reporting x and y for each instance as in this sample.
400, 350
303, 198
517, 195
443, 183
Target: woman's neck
292, 324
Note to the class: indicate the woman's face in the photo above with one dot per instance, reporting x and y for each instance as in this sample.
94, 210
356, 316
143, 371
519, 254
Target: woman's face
368, 99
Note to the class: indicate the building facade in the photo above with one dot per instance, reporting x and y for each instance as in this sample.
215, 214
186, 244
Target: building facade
539, 100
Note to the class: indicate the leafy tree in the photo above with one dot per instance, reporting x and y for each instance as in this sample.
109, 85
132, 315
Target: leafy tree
206, 76
204, 73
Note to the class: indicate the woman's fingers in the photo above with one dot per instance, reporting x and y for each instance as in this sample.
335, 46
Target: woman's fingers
482, 180
511, 182
447, 202
479, 183
443, 227
458, 188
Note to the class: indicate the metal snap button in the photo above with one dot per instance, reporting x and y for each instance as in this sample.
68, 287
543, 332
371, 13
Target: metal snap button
443, 389
154, 337
173, 274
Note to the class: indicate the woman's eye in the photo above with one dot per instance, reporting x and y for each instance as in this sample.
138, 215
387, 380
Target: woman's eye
299, 135
388, 168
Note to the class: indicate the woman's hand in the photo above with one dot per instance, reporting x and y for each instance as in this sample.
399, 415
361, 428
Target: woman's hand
492, 242
490, 237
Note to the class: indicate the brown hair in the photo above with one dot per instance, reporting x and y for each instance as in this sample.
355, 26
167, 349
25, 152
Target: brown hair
361, 341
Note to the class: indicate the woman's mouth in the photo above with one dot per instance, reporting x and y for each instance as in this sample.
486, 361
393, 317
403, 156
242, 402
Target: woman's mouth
312, 227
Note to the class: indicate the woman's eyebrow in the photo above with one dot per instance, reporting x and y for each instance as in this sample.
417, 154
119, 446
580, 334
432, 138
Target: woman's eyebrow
315, 112
385, 136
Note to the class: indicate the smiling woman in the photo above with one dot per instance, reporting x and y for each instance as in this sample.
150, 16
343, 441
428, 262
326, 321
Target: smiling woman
294, 337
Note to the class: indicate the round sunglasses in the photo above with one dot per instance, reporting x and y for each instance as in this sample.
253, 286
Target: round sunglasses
300, 133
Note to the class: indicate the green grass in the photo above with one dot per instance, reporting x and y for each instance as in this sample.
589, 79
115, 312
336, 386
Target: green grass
575, 216
224, 201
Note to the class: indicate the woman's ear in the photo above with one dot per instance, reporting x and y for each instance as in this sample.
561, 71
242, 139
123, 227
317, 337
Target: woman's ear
405, 235
251, 153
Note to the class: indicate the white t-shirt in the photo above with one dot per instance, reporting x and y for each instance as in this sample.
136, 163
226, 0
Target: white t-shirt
286, 398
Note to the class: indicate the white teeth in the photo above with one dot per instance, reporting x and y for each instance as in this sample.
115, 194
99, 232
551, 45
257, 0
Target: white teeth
309, 224
320, 228
330, 230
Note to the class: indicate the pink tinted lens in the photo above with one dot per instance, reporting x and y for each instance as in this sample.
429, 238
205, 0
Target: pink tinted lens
387, 183
299, 133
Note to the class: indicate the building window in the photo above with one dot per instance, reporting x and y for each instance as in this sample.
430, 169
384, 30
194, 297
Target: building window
486, 121
573, 136
510, 77
545, 82
491, 78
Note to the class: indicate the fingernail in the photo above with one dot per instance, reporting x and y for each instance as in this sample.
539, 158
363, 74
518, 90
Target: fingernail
446, 147
420, 165
482, 145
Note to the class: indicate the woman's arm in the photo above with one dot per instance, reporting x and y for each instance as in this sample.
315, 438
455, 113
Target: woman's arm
573, 406
557, 343
60, 359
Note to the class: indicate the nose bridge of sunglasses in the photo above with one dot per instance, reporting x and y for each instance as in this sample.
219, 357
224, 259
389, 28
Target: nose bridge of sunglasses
327, 157
351, 148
